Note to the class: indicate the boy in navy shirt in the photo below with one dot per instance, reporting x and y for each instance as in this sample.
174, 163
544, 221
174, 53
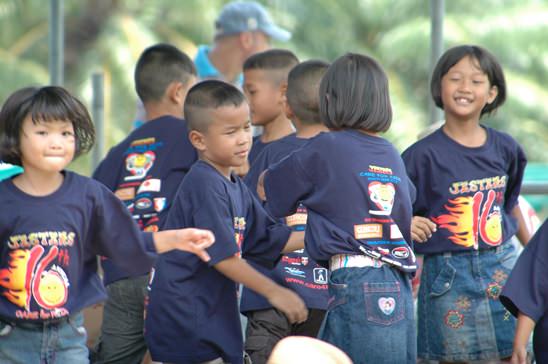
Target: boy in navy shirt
266, 326
144, 171
265, 82
195, 304
525, 295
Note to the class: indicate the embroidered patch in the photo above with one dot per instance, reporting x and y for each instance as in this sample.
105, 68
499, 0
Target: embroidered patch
387, 305
150, 185
159, 203
493, 290
454, 319
463, 303
499, 276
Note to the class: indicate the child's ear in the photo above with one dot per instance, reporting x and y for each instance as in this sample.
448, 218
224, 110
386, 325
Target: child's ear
493, 93
176, 92
283, 91
197, 140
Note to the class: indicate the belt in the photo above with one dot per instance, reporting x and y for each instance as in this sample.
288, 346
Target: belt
35, 325
353, 261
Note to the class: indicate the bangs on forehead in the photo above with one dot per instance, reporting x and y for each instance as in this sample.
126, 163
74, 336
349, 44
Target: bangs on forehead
46, 107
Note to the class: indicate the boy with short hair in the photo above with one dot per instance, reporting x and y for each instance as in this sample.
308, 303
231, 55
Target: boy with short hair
195, 304
144, 171
265, 82
296, 270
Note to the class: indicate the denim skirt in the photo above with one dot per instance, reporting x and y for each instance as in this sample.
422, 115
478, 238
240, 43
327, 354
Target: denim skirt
370, 315
460, 317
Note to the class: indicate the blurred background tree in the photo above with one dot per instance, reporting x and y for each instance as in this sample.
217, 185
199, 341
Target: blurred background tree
108, 36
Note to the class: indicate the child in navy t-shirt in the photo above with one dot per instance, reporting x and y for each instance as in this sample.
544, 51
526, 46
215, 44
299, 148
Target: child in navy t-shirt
265, 81
358, 197
53, 225
144, 171
525, 295
296, 270
192, 315
468, 177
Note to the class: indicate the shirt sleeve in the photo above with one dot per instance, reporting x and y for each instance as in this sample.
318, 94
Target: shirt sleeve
210, 211
264, 238
526, 290
286, 183
515, 172
117, 236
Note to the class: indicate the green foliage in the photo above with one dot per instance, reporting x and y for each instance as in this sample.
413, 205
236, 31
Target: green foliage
108, 36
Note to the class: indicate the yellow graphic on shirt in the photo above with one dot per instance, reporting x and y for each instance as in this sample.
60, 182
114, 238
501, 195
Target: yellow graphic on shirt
26, 277
466, 223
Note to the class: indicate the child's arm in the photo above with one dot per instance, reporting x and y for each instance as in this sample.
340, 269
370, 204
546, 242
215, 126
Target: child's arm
190, 240
422, 229
281, 298
295, 242
524, 328
523, 233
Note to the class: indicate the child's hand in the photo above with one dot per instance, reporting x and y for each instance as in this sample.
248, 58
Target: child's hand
422, 229
260, 186
519, 356
195, 241
290, 304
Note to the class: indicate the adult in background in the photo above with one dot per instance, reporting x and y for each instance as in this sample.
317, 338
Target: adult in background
242, 29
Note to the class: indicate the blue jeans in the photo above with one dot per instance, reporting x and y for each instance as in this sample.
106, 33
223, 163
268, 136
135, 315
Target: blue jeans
460, 317
370, 315
122, 340
50, 343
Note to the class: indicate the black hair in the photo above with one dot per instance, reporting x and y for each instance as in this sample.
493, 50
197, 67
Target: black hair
485, 61
159, 66
209, 95
303, 84
277, 60
43, 104
354, 94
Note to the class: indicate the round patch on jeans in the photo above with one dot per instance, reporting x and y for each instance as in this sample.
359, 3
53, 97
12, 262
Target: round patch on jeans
387, 305
493, 290
454, 319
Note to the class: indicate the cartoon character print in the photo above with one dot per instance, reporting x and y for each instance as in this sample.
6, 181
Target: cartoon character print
382, 195
27, 276
239, 230
138, 164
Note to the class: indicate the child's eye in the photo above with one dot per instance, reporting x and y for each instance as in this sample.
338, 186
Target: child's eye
68, 133
41, 132
478, 82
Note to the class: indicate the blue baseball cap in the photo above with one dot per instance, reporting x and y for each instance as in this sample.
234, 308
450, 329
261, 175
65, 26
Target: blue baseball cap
248, 16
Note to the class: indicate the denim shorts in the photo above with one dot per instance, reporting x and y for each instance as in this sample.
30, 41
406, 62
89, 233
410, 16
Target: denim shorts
460, 317
52, 343
370, 315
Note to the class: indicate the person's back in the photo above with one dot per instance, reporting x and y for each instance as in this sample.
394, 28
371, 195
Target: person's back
354, 186
265, 82
296, 270
193, 313
144, 171
242, 29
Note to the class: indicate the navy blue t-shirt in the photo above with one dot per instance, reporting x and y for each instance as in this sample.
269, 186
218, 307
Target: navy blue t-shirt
357, 194
296, 270
526, 290
256, 149
192, 314
144, 171
468, 192
48, 261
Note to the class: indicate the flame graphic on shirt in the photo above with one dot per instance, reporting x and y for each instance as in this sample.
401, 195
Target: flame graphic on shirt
26, 277
466, 223
459, 221
15, 278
